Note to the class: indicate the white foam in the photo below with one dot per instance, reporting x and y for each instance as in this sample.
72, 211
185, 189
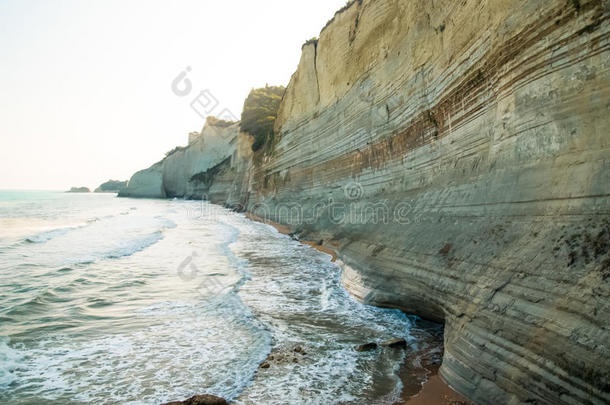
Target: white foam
166, 341
9, 361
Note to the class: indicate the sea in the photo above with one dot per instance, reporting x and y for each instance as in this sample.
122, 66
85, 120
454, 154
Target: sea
111, 300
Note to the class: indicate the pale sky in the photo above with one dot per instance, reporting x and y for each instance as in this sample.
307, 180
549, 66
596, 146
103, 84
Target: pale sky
86, 86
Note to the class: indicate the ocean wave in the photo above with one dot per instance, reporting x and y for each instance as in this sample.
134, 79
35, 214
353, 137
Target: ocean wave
104, 239
127, 245
135, 334
134, 246
37, 304
51, 234
9, 361
165, 222
48, 235
178, 356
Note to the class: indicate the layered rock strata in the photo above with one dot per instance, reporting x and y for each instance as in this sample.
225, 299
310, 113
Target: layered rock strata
187, 171
456, 155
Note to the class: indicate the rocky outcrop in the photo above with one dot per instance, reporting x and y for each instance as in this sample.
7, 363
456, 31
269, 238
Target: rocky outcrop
187, 171
283, 355
366, 347
456, 155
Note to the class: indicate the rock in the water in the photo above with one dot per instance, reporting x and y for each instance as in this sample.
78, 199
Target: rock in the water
204, 399
397, 342
265, 365
367, 347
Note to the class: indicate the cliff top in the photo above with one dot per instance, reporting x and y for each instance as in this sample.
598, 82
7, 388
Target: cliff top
341, 10
217, 122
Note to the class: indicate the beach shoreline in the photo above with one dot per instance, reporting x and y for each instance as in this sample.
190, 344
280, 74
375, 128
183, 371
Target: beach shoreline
434, 391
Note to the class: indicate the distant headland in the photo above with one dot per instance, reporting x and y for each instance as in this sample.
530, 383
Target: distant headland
79, 190
111, 186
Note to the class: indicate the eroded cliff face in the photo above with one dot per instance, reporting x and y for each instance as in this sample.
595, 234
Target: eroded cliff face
456, 155
188, 171
147, 183
231, 185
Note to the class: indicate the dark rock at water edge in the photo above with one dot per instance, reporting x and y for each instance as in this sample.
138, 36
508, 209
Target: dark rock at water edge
397, 342
204, 399
300, 350
367, 347
283, 355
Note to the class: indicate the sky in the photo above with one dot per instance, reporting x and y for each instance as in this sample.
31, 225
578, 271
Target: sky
87, 89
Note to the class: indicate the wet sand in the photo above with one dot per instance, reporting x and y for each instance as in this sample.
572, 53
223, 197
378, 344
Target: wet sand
435, 391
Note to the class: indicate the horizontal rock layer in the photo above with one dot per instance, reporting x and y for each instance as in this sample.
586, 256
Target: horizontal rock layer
456, 155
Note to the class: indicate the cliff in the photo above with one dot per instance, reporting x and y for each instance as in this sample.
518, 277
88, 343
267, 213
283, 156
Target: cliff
147, 183
456, 156
184, 171
111, 186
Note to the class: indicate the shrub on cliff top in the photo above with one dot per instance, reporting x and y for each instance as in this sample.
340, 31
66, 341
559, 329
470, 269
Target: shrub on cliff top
260, 112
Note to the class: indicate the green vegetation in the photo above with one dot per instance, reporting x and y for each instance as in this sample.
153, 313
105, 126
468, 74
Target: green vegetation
259, 114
